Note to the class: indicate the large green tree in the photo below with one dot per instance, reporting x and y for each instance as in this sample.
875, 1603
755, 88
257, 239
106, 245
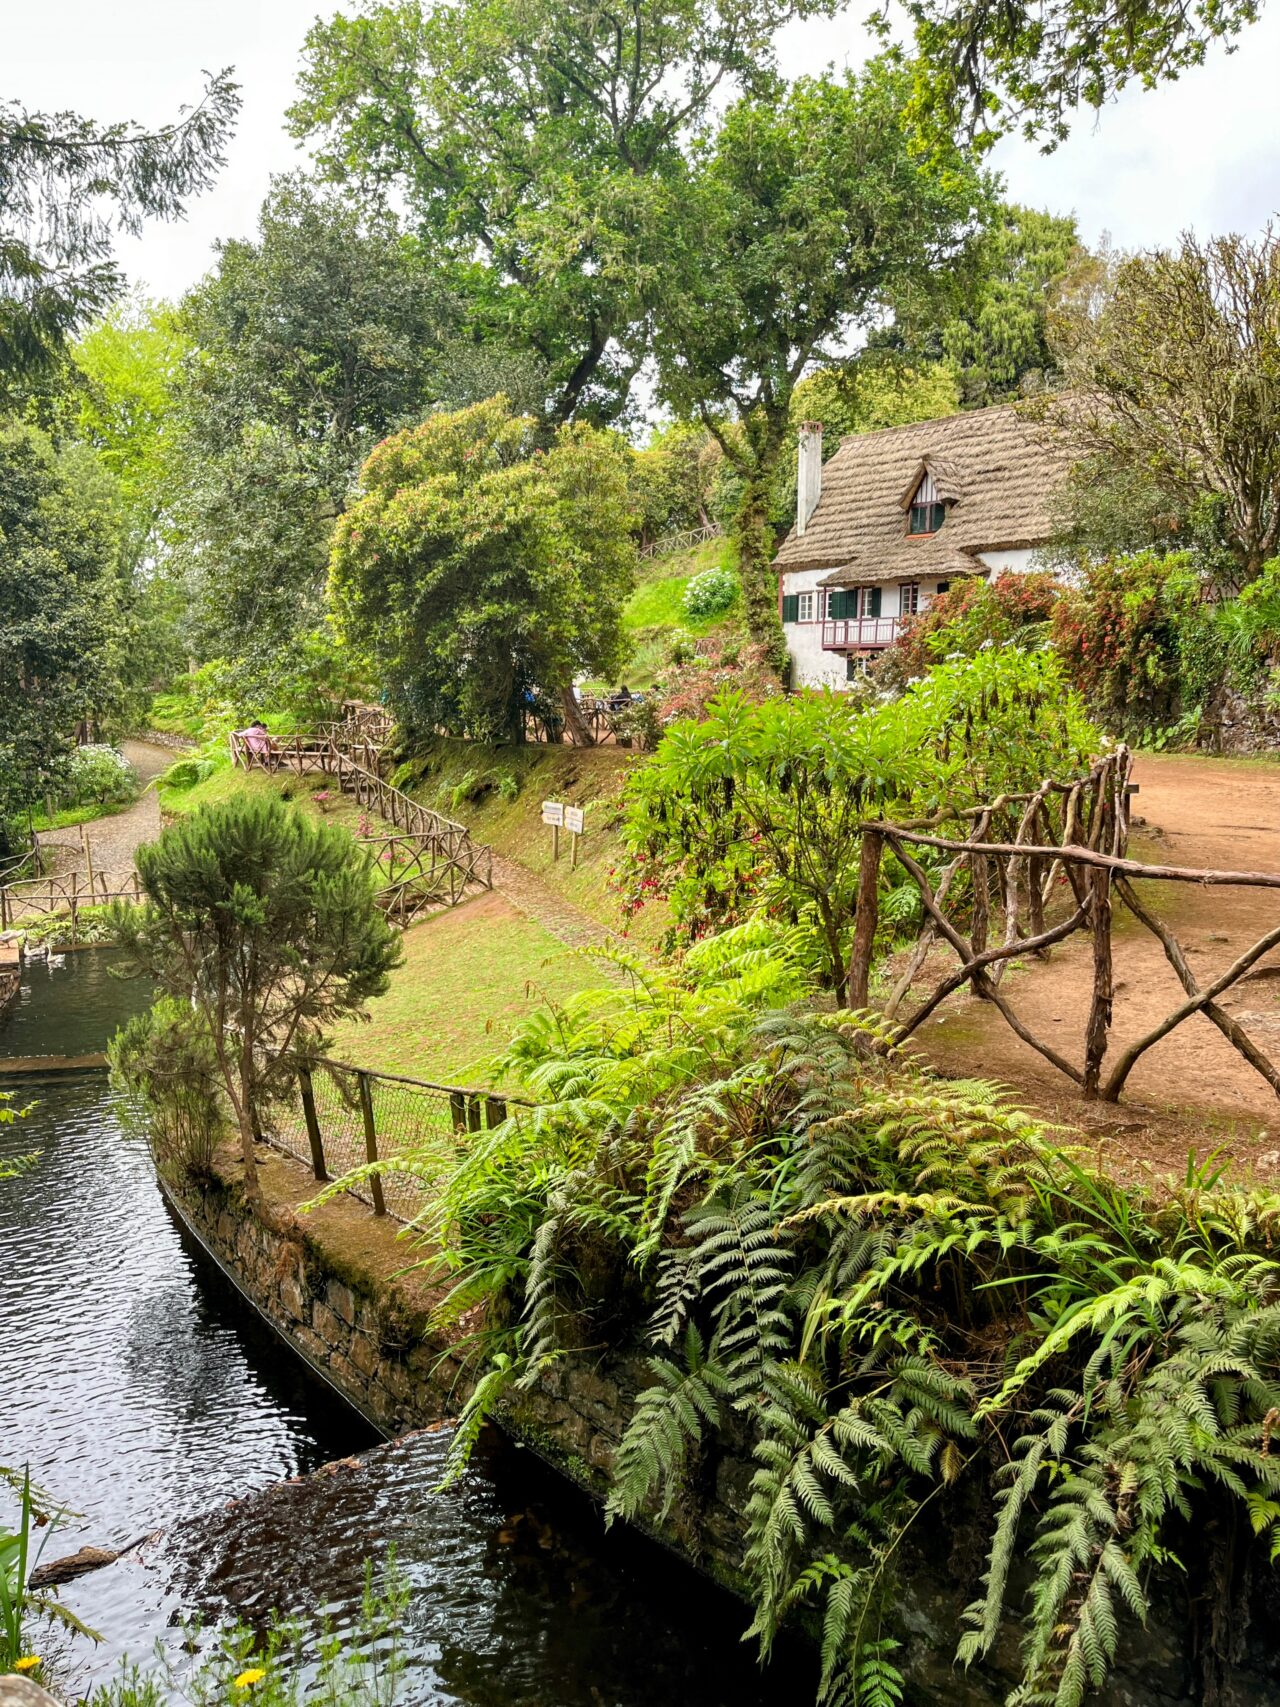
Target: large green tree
998, 340
307, 345
532, 140
66, 183
806, 222
58, 549
477, 568
1173, 374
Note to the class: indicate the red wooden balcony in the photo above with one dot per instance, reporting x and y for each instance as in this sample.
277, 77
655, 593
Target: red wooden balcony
845, 633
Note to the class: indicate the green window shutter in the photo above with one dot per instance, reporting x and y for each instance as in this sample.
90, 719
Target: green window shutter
791, 607
839, 605
875, 602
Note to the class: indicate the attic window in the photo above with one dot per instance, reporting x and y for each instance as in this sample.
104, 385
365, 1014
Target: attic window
928, 512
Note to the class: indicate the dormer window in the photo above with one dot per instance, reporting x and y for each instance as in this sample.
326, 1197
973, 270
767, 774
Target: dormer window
927, 512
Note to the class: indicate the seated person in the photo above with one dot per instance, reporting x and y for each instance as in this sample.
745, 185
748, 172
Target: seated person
257, 741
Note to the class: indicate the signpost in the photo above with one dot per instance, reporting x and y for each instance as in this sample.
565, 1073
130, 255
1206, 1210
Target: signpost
574, 823
553, 814
571, 818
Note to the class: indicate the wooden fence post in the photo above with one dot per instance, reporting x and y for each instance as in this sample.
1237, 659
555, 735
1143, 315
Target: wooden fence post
1095, 1042
371, 1142
495, 1111
458, 1111
866, 918
307, 1091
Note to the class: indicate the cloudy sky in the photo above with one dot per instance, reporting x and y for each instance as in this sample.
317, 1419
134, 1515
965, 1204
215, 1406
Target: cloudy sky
1202, 153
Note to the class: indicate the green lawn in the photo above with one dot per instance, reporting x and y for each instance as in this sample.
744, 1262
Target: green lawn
469, 975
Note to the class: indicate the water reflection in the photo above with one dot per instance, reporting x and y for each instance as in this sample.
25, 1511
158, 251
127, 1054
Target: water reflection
141, 1391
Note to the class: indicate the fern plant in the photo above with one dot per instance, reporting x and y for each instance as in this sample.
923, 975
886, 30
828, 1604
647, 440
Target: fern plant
889, 1287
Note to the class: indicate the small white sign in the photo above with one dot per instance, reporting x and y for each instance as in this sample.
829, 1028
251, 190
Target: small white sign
552, 812
573, 819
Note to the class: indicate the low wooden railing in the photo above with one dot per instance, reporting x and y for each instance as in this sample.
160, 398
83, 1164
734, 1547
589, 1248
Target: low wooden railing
346, 1117
1061, 849
429, 860
24, 902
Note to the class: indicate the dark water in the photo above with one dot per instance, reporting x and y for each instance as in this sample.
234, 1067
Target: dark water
144, 1394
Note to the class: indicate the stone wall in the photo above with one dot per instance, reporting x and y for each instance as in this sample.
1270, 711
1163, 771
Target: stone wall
365, 1338
357, 1325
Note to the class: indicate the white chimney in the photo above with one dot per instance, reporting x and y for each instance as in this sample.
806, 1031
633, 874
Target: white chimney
808, 473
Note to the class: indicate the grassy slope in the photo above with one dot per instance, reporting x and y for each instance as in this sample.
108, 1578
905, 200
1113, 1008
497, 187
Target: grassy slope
654, 614
469, 975
591, 778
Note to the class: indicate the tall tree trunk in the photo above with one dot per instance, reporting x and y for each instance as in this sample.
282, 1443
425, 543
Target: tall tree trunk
759, 583
575, 723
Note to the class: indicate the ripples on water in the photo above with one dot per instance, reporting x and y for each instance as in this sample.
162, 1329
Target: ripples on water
144, 1394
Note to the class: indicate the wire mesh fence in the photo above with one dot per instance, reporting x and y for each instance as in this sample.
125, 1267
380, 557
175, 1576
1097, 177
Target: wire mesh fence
343, 1116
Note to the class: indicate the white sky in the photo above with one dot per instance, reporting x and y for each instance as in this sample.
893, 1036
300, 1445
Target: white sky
1202, 153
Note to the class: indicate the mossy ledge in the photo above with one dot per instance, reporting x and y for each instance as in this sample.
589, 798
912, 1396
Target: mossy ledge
335, 1286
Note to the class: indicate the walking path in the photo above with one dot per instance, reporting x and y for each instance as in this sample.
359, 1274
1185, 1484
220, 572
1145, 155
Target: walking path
1192, 1090
538, 901
114, 840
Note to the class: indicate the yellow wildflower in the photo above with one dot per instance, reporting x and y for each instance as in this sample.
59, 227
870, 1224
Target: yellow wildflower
247, 1679
28, 1662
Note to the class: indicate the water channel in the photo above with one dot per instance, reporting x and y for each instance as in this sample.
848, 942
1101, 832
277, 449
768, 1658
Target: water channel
145, 1394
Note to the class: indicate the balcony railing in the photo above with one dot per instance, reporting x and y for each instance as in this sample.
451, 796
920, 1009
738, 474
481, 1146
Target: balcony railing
860, 631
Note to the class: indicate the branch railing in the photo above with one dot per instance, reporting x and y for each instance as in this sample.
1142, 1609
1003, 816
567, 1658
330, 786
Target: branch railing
342, 1118
426, 860
30, 899
1032, 870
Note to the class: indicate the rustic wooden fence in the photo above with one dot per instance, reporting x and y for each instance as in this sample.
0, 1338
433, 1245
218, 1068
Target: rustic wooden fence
426, 860
600, 716
24, 902
1032, 870
685, 540
344, 1117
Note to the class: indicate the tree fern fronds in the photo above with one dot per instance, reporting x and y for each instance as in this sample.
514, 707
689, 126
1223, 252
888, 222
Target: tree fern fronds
669, 1417
475, 1413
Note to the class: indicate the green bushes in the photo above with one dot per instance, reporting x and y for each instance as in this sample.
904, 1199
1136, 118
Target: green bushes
942, 1334
756, 806
164, 1070
1140, 641
710, 594
98, 775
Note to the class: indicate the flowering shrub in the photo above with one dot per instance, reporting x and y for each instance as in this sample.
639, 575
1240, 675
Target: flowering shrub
710, 594
98, 775
973, 613
1140, 640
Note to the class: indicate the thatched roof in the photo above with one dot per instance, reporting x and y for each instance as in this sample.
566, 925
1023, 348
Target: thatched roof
998, 471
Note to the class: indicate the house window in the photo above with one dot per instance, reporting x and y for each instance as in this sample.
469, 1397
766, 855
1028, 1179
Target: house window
927, 509
926, 518
805, 607
942, 587
909, 598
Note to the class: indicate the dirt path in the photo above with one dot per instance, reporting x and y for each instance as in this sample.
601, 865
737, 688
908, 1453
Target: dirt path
1192, 1089
526, 891
113, 841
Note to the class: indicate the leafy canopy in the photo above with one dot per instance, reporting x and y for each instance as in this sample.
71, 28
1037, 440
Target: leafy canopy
65, 181
58, 550
476, 566
532, 142
807, 220
1030, 64
307, 345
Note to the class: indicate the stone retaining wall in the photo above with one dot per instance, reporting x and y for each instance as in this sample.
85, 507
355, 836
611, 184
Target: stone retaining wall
370, 1340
